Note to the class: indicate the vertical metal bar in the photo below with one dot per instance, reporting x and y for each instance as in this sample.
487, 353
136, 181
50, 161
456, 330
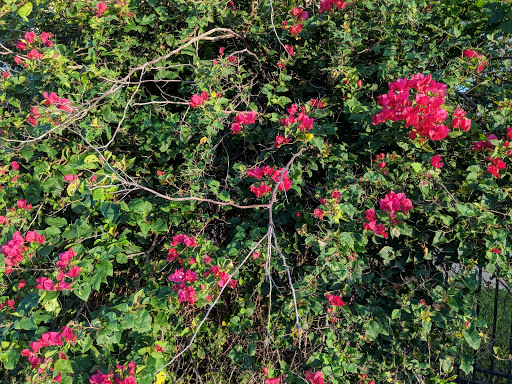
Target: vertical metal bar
509, 381
495, 315
479, 291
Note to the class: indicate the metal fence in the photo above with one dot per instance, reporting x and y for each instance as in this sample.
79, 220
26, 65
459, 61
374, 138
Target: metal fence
493, 361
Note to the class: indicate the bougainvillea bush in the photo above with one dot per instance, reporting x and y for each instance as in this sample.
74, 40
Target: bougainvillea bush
220, 191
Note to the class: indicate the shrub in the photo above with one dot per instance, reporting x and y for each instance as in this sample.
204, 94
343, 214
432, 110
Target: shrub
218, 191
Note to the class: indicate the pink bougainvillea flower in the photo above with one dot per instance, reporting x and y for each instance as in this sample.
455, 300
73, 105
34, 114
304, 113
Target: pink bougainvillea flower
255, 255
188, 241
236, 128
394, 202
481, 67
15, 165
481, 60
18, 60
187, 295
258, 173
29, 37
285, 183
246, 117
101, 8
178, 276
190, 276
197, 100
34, 115
262, 190
34, 54
315, 378
496, 165
73, 272
50, 98
21, 45
46, 39
336, 195
460, 120
160, 173
45, 284
326, 5
21, 284
70, 178
65, 258
372, 225
335, 300
22, 204
34, 237
424, 113
318, 213
296, 29
289, 49
436, 162
469, 53
100, 378
280, 140
131, 366
172, 254
509, 133
34, 361
232, 59
316, 103
276, 380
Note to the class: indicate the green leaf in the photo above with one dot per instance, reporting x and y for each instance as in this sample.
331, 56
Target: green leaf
372, 329
83, 291
10, 358
467, 364
465, 209
103, 269
143, 321
110, 211
28, 303
56, 222
417, 167
318, 142
27, 324
396, 314
27, 154
25, 10
472, 338
224, 196
63, 366
159, 226
140, 206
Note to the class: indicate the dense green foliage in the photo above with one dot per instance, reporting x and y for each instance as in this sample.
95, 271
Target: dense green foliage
129, 154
